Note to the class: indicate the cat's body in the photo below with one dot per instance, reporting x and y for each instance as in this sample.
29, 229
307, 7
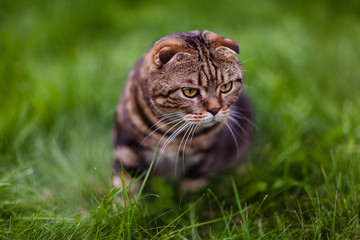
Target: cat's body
184, 97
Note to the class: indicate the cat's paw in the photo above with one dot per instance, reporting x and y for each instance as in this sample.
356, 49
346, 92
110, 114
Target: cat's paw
129, 189
192, 185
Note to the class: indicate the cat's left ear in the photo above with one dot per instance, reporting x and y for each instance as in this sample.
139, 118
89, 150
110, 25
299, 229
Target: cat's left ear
219, 42
230, 44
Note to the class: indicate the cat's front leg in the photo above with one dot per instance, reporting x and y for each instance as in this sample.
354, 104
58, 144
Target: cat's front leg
127, 164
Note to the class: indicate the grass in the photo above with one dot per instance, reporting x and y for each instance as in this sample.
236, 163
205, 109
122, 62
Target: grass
62, 66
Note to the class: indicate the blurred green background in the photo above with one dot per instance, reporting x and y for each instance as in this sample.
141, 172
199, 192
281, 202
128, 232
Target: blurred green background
63, 64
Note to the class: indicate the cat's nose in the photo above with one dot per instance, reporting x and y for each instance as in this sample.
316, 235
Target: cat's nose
213, 111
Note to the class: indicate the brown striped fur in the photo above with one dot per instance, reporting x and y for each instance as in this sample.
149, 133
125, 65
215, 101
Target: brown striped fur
153, 109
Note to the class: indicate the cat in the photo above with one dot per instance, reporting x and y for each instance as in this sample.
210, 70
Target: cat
184, 99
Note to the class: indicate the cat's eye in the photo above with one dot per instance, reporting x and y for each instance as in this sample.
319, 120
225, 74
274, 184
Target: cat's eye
190, 92
226, 87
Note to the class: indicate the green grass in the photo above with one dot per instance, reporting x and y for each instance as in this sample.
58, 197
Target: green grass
62, 67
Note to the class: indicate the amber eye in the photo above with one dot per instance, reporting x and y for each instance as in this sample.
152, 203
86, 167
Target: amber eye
226, 87
190, 92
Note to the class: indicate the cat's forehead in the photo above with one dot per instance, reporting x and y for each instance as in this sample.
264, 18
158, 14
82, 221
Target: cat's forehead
203, 70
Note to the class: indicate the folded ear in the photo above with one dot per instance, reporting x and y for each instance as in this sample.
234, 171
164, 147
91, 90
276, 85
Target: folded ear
165, 49
230, 44
220, 41
165, 54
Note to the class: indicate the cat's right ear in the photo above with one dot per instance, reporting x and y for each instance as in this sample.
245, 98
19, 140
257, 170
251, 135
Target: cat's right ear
165, 50
165, 54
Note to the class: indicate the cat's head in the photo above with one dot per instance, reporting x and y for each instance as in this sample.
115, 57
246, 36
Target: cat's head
195, 74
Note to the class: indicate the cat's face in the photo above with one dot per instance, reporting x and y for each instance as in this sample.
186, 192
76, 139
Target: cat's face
197, 78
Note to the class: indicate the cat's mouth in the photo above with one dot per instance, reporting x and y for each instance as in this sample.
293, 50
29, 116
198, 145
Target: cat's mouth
209, 122
206, 122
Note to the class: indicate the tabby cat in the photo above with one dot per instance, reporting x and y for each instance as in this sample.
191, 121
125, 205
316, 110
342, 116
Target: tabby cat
184, 98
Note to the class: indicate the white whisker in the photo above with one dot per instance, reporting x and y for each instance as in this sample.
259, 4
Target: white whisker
240, 109
241, 116
177, 155
232, 133
241, 128
166, 124
247, 60
165, 135
172, 136
192, 135
151, 105
187, 138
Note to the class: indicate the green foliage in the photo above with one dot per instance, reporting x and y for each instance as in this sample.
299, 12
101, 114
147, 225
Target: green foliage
62, 66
